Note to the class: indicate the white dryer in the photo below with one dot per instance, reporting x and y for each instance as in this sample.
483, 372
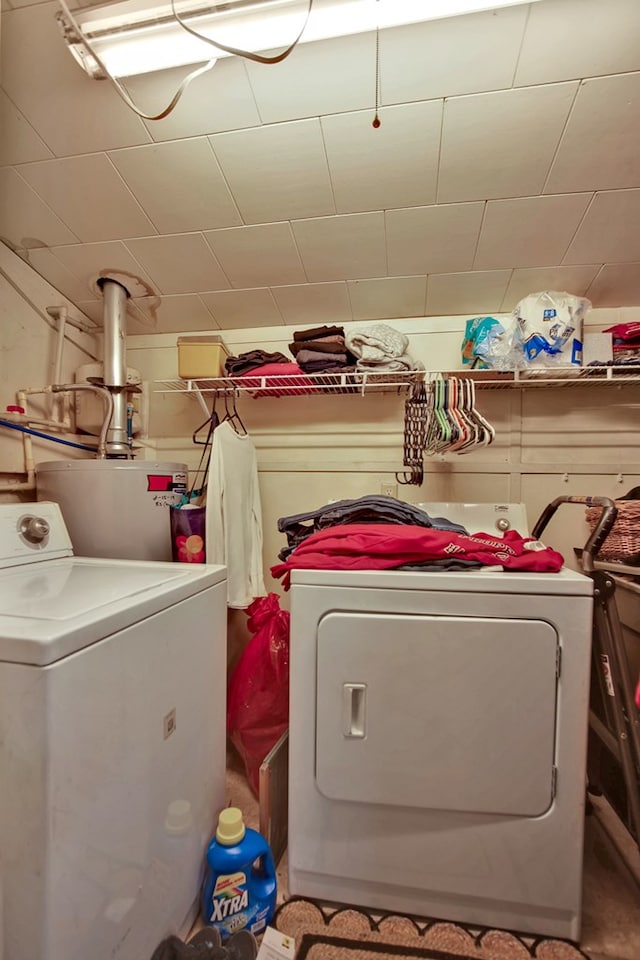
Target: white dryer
438, 741
112, 742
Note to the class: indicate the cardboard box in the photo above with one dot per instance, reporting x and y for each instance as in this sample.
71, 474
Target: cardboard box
201, 357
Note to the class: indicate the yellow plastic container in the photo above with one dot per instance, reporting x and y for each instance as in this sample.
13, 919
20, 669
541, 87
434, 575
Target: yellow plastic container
201, 357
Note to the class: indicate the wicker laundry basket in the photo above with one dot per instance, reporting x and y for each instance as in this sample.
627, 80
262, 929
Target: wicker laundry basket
623, 543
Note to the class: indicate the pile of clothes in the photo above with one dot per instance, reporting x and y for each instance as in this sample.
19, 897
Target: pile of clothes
322, 350
284, 376
382, 533
380, 348
626, 342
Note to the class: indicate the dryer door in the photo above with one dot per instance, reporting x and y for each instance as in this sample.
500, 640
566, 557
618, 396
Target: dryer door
443, 712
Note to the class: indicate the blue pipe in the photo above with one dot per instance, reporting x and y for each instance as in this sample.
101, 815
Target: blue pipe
45, 436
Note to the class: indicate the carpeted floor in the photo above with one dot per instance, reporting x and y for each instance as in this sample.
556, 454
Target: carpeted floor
348, 934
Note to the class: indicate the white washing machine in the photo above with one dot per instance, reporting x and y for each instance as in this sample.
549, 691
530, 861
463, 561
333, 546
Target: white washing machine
438, 741
112, 742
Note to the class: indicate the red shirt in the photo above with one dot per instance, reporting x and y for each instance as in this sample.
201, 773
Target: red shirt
382, 546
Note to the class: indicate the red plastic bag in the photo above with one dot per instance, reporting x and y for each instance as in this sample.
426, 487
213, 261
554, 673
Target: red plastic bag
258, 701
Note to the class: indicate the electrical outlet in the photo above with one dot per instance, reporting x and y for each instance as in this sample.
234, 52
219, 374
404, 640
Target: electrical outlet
389, 488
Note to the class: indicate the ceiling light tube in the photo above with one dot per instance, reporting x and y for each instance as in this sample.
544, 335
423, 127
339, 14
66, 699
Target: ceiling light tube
141, 36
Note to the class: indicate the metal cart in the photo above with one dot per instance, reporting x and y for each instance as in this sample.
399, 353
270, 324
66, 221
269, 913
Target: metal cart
614, 720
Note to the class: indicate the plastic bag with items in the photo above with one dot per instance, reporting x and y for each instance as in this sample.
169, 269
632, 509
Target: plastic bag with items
258, 703
550, 328
491, 344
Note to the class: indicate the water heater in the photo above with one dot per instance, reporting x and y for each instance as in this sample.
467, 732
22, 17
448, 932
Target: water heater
115, 508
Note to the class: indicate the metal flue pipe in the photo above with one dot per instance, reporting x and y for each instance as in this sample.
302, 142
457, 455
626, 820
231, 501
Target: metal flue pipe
115, 361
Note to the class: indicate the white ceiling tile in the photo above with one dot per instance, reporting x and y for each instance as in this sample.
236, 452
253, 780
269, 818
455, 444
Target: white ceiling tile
179, 264
474, 292
446, 58
315, 303
342, 248
401, 156
610, 232
534, 279
19, 142
89, 261
179, 185
530, 230
327, 76
600, 148
278, 172
25, 219
89, 195
570, 39
93, 309
617, 285
501, 144
438, 239
220, 99
54, 271
243, 308
71, 112
168, 315
255, 256
387, 297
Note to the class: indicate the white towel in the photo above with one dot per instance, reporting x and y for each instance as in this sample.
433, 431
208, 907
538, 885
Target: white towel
376, 343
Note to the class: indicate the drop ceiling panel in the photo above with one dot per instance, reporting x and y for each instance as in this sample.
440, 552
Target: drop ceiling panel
220, 99
328, 76
531, 230
243, 308
438, 239
179, 185
258, 255
446, 58
52, 269
610, 232
501, 144
566, 39
168, 315
19, 142
342, 248
88, 261
89, 195
600, 148
526, 280
25, 220
473, 292
179, 264
617, 285
277, 172
313, 303
387, 297
392, 166
72, 113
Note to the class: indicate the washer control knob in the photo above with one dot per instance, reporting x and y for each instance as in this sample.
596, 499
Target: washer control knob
34, 529
503, 524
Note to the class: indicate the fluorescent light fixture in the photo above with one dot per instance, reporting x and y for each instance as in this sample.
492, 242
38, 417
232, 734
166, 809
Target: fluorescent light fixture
140, 36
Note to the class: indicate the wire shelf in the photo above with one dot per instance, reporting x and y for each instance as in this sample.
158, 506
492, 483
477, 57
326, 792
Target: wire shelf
399, 383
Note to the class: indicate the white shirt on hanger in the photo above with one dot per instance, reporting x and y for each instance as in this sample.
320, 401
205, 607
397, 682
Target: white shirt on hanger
234, 515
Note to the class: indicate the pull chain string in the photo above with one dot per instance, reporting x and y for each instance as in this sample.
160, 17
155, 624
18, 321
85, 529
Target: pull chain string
376, 120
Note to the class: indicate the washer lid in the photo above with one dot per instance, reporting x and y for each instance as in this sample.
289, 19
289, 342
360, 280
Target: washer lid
54, 608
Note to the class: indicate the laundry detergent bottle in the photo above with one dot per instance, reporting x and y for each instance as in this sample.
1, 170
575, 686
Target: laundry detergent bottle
240, 885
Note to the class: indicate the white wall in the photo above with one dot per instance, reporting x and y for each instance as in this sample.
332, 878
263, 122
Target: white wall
27, 349
550, 441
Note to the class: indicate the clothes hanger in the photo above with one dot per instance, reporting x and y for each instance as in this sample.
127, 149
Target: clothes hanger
232, 416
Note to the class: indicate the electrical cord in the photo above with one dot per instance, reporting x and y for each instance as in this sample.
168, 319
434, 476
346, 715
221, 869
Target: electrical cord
124, 96
120, 90
246, 54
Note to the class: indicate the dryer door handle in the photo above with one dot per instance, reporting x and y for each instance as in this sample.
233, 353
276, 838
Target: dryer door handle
354, 710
